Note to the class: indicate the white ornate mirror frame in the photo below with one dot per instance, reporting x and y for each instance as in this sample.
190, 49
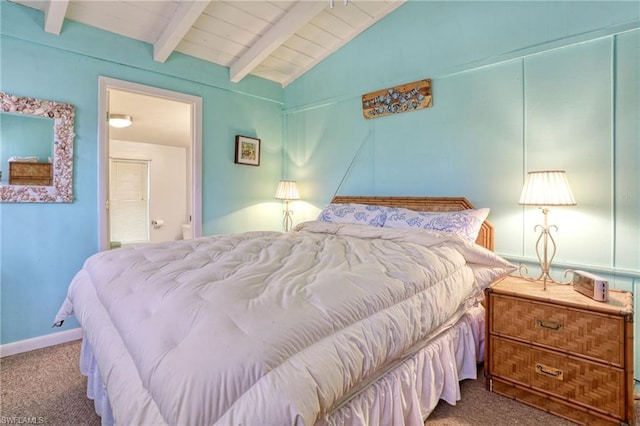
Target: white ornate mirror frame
63, 116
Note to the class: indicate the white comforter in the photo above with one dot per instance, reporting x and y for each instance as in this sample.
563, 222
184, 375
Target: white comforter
271, 328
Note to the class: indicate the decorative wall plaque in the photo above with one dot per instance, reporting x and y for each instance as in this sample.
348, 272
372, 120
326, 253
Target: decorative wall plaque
404, 98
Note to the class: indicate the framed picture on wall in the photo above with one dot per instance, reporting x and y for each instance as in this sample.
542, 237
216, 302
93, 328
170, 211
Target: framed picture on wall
247, 150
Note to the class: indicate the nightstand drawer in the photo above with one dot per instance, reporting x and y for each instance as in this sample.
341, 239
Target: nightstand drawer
578, 381
591, 334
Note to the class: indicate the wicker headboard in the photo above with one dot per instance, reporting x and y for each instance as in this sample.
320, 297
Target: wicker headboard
425, 204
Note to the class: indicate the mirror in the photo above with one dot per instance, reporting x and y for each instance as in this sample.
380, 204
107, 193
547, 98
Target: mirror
50, 178
24, 138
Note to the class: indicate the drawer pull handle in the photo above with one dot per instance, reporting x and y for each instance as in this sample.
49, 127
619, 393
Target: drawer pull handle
549, 371
549, 325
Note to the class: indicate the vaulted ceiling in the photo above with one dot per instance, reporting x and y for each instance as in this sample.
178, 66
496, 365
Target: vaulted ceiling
275, 40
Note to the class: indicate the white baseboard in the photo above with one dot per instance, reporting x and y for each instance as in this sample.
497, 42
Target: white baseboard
40, 342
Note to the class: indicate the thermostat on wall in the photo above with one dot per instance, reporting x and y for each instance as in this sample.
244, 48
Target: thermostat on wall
591, 285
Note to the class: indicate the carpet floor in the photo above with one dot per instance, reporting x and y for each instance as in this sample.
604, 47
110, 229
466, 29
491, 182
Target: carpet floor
45, 387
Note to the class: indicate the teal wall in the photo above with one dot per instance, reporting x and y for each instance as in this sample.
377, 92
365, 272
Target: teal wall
42, 246
517, 86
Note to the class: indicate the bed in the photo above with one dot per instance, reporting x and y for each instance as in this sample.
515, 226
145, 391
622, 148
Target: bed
361, 317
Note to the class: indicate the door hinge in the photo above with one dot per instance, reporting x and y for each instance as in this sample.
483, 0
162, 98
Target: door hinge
107, 205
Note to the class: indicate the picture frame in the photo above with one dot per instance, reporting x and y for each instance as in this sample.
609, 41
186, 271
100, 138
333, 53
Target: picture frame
247, 150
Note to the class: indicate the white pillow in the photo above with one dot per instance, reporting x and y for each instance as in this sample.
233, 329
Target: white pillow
466, 223
354, 213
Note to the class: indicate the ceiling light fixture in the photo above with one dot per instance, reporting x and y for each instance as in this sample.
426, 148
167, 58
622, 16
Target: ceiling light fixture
120, 120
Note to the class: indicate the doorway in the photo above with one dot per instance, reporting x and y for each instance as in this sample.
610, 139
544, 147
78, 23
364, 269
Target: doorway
162, 146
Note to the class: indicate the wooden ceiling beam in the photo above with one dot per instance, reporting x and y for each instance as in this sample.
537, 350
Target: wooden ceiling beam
54, 16
292, 21
181, 22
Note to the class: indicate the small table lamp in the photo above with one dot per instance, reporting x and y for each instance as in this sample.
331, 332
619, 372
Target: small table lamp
287, 191
544, 189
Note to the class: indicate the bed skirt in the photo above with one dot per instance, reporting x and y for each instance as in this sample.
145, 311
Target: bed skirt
406, 395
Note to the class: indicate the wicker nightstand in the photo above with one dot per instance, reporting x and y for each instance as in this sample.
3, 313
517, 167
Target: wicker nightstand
561, 351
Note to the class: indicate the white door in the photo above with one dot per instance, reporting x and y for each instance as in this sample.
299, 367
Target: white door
128, 202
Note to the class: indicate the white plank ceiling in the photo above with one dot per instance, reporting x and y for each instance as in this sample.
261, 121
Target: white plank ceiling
276, 40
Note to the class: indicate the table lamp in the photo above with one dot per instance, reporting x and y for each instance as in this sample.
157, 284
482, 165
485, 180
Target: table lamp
545, 189
287, 191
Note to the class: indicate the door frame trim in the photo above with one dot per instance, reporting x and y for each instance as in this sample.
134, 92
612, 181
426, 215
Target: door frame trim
104, 85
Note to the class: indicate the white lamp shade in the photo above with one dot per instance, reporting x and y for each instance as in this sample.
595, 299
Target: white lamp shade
287, 190
547, 188
120, 120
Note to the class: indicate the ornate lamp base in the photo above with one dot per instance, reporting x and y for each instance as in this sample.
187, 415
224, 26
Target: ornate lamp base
288, 220
544, 242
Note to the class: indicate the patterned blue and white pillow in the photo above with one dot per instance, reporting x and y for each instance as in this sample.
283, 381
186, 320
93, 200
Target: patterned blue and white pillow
354, 213
466, 223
